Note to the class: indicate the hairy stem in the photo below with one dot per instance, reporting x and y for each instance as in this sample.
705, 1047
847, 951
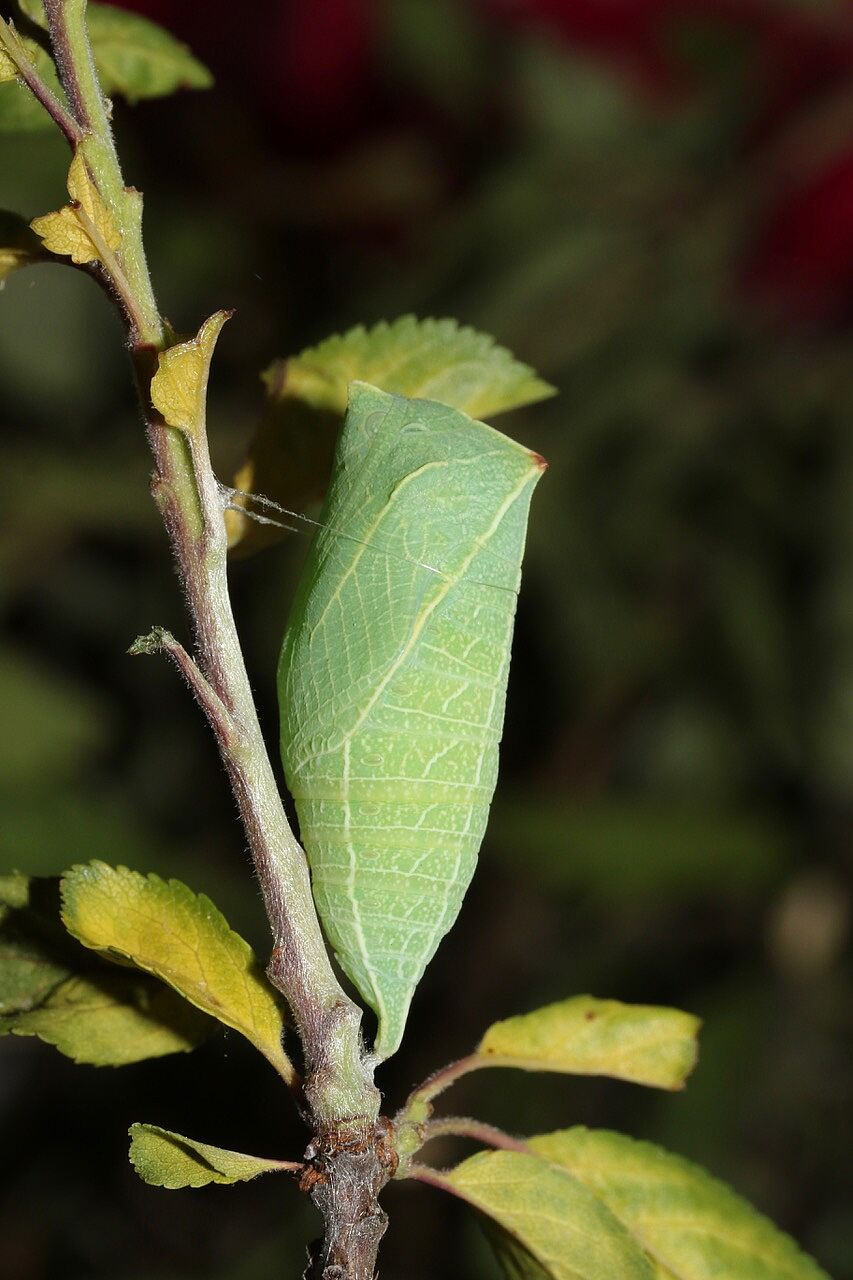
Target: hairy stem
69, 38
464, 1127
420, 1101
11, 45
338, 1086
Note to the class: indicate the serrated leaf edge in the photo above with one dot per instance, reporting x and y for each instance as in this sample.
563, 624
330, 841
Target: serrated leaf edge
188, 1146
281, 1061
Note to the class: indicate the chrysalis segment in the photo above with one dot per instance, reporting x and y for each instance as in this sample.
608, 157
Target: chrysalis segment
393, 677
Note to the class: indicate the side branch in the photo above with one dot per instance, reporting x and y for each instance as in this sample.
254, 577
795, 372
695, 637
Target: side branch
161, 641
10, 43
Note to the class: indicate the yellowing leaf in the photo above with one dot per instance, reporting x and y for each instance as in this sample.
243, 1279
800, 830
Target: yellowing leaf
163, 927
84, 230
83, 191
179, 387
111, 1020
8, 70
550, 1216
692, 1225
290, 457
165, 1159
585, 1036
53, 988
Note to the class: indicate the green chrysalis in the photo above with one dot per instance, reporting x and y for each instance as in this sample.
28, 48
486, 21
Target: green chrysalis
393, 677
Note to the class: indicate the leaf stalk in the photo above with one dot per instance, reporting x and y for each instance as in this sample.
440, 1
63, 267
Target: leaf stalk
465, 1127
422, 1097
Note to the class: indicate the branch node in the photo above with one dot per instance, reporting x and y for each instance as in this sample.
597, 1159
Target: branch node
348, 1164
159, 640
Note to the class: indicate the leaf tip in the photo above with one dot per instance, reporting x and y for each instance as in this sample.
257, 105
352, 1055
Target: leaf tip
179, 387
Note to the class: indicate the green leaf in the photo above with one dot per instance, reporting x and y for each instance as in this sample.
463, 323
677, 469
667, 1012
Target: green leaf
695, 1227
112, 1019
170, 1160
14, 892
19, 246
33, 946
135, 57
20, 110
138, 59
586, 1036
53, 988
555, 1226
424, 359
163, 927
392, 681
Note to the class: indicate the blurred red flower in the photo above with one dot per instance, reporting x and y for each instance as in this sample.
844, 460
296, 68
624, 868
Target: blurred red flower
801, 257
309, 65
802, 253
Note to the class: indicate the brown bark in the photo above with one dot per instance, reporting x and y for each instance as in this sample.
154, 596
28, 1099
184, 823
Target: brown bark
347, 1168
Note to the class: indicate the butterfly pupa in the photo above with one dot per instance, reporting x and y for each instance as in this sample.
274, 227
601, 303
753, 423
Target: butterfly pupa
392, 681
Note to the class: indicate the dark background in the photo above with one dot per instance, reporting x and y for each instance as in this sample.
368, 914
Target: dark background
652, 202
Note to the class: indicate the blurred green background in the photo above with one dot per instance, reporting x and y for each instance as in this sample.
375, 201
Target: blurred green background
653, 205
